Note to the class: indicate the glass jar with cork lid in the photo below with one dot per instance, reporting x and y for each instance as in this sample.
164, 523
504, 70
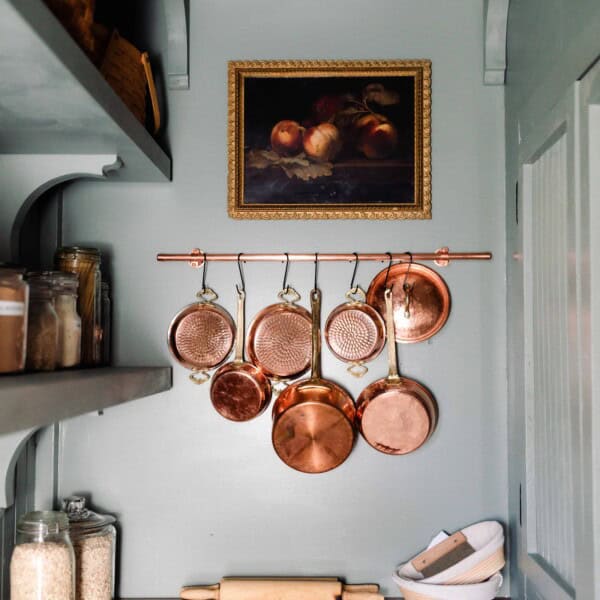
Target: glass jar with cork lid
94, 541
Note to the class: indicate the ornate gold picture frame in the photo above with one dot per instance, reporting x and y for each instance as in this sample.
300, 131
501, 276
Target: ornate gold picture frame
330, 139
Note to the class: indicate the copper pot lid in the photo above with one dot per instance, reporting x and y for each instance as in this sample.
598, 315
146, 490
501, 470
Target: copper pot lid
421, 300
279, 338
201, 335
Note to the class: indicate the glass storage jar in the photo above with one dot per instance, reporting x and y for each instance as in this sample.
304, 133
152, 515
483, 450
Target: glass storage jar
94, 541
69, 322
42, 328
85, 263
42, 565
14, 301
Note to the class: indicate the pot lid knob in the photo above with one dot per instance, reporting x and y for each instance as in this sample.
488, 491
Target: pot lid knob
74, 506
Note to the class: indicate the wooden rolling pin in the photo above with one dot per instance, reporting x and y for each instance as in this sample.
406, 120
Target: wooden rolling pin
241, 588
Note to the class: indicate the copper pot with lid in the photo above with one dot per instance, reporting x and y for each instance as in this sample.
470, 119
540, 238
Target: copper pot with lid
200, 336
421, 300
355, 331
395, 415
313, 419
279, 337
239, 390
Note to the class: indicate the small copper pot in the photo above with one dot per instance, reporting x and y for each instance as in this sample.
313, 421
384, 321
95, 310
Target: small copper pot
279, 338
395, 415
355, 332
239, 390
200, 336
313, 419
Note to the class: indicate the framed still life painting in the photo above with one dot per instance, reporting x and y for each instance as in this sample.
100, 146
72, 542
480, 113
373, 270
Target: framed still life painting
330, 139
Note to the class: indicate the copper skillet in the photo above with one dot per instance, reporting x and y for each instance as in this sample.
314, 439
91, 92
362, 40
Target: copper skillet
313, 419
355, 331
395, 415
279, 338
200, 336
239, 390
421, 300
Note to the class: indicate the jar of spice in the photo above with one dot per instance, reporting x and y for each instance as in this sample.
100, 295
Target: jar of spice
106, 324
42, 329
94, 538
85, 263
43, 561
14, 300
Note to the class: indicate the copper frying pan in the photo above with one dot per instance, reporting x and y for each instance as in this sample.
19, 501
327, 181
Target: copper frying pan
313, 419
200, 336
239, 390
421, 300
279, 339
395, 415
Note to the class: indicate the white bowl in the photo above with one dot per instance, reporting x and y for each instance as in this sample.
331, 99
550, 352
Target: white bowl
487, 539
416, 590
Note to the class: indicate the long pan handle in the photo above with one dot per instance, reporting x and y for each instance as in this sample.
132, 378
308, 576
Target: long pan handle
315, 304
240, 327
391, 336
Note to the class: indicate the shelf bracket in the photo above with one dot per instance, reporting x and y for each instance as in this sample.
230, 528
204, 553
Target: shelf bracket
11, 445
177, 39
495, 28
25, 177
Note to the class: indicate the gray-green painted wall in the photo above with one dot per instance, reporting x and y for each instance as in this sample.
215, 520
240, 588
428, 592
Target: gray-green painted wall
199, 497
550, 45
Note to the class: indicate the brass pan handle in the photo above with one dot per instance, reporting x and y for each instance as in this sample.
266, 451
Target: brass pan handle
199, 377
289, 295
356, 294
207, 295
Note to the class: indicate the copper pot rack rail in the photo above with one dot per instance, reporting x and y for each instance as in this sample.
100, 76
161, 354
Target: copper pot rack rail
442, 257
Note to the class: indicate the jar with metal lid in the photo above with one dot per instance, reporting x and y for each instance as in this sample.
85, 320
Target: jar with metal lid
85, 263
42, 328
94, 541
14, 302
42, 565
106, 324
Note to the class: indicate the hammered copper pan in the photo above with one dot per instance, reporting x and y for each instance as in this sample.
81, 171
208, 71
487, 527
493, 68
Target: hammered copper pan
313, 419
279, 338
355, 332
395, 415
200, 336
421, 300
239, 390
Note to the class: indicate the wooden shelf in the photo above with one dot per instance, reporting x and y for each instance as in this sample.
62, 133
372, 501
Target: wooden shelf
35, 400
54, 101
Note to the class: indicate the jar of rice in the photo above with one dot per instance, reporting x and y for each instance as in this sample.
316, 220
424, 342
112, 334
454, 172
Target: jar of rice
94, 537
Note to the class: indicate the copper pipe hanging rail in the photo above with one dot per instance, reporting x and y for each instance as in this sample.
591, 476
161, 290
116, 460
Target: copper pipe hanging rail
441, 257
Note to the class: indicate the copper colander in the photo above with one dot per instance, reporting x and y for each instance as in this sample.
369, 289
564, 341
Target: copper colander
355, 331
201, 335
279, 338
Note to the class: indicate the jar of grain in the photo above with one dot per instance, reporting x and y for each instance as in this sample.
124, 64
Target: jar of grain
43, 562
69, 322
42, 329
14, 300
94, 541
85, 263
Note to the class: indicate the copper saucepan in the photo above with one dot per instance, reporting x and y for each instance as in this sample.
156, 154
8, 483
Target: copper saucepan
239, 390
313, 419
395, 415
421, 300
279, 337
200, 336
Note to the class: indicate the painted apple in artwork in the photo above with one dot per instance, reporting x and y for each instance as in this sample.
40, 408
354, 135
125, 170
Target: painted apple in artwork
322, 142
375, 137
286, 137
326, 107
